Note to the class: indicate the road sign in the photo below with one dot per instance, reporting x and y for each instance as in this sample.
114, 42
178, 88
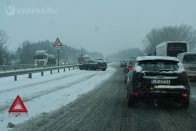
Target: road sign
57, 43
18, 106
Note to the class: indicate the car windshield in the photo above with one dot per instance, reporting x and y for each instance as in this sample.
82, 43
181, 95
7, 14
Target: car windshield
40, 56
92, 61
152, 65
190, 58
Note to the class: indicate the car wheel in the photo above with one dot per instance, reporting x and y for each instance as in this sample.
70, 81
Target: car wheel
131, 101
185, 103
125, 81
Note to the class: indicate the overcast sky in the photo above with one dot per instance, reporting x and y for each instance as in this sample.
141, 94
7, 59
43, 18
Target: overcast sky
106, 26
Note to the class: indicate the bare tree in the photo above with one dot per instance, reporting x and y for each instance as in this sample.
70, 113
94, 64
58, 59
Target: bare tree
3, 51
170, 33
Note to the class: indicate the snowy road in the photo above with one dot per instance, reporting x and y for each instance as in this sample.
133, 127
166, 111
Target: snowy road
46, 93
104, 107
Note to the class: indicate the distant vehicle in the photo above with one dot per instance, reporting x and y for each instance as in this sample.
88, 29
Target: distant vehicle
65, 63
93, 65
102, 64
123, 63
158, 77
128, 68
42, 58
171, 48
188, 59
89, 65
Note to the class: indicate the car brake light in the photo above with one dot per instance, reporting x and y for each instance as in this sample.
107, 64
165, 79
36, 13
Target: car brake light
129, 68
137, 68
135, 93
184, 94
182, 69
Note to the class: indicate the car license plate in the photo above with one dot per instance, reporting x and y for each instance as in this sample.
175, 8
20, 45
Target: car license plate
160, 81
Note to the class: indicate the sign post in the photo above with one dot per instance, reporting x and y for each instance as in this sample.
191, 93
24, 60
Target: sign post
58, 45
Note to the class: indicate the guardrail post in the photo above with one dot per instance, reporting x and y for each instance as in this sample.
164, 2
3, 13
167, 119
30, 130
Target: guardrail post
64, 69
58, 70
73, 68
42, 73
69, 68
30, 75
15, 77
51, 72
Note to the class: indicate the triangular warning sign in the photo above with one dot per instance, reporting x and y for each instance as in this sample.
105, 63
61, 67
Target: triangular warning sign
18, 106
57, 42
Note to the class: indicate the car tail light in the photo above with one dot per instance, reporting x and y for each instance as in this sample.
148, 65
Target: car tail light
129, 68
184, 94
135, 93
137, 69
182, 69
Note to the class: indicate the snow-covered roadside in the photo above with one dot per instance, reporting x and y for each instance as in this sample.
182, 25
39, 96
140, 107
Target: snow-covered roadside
70, 88
193, 91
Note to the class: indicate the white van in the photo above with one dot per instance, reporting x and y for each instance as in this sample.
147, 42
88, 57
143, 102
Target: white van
188, 59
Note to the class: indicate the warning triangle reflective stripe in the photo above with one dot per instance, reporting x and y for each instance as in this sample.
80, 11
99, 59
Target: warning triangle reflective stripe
16, 104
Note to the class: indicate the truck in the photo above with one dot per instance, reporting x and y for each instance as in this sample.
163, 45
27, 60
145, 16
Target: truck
43, 58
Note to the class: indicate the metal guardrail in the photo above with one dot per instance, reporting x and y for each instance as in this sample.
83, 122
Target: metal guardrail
30, 71
19, 66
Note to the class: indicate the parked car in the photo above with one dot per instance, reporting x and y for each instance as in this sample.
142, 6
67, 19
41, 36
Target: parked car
93, 65
158, 77
128, 68
188, 60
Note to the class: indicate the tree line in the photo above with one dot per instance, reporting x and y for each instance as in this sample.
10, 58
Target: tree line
157, 36
25, 53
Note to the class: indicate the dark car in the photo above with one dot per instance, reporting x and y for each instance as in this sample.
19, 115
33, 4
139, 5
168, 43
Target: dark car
102, 65
93, 65
158, 77
89, 65
128, 68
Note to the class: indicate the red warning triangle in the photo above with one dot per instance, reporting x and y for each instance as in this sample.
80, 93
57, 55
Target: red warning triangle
14, 108
57, 42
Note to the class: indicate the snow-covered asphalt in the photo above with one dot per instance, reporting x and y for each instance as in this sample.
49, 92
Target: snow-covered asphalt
46, 93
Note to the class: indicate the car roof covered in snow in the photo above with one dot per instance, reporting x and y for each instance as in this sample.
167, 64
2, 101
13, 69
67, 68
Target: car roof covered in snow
142, 58
166, 42
188, 53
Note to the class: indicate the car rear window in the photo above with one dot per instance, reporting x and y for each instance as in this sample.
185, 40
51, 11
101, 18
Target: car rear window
191, 58
161, 65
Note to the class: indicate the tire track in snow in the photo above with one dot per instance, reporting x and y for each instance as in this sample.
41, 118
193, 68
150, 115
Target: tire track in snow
42, 93
42, 82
